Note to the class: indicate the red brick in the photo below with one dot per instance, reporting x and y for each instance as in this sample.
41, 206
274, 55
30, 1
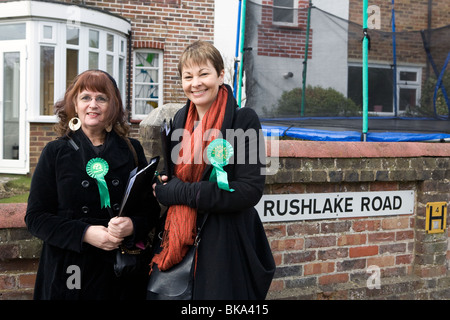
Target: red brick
363, 251
381, 237
384, 261
333, 278
320, 242
27, 280
366, 225
286, 244
352, 239
275, 230
395, 223
317, 268
7, 282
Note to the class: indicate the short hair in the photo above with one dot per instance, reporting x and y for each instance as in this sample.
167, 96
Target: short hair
200, 52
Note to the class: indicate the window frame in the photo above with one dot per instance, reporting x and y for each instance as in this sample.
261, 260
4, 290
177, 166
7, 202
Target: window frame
294, 8
59, 42
405, 84
401, 84
159, 68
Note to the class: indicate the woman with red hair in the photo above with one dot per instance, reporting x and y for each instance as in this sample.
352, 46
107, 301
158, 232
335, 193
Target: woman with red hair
75, 196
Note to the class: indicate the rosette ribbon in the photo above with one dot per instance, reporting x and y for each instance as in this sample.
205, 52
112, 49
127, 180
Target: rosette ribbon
219, 151
97, 168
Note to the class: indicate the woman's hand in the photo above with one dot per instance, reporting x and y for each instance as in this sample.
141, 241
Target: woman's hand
99, 237
177, 192
120, 227
162, 181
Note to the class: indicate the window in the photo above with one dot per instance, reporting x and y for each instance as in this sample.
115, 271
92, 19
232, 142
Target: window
380, 88
147, 87
72, 52
94, 45
47, 32
12, 31
47, 80
285, 13
381, 92
408, 88
77, 48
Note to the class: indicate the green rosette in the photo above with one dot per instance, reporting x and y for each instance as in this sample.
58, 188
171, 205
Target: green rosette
219, 151
97, 168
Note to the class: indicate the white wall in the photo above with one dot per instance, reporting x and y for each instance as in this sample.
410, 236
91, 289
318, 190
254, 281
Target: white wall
328, 66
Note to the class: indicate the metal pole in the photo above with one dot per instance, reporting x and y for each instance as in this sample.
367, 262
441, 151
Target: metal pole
244, 7
394, 54
236, 55
305, 61
365, 73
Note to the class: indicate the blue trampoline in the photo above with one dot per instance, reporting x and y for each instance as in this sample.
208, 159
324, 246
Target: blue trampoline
381, 129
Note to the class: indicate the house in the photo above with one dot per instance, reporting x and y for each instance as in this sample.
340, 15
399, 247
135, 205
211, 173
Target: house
276, 36
45, 44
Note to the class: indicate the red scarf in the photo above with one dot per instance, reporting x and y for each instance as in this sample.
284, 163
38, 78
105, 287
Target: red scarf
181, 221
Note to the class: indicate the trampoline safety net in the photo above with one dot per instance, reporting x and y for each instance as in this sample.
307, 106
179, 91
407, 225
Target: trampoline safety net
408, 60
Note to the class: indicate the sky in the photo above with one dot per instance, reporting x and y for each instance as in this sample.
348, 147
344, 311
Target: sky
226, 15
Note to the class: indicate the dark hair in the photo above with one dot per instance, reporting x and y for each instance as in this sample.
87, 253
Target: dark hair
94, 80
201, 52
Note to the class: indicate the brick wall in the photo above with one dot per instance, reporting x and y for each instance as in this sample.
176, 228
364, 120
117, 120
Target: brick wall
283, 41
410, 15
19, 253
329, 259
320, 259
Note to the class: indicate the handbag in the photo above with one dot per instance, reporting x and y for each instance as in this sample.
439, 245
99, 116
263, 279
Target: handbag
176, 283
129, 262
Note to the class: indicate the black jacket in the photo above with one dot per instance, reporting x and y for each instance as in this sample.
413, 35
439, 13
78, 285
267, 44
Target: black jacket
64, 201
234, 258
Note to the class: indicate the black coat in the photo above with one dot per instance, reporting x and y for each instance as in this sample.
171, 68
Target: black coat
234, 258
64, 201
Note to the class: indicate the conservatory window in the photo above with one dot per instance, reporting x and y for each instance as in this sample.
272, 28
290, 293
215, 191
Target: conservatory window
72, 53
47, 81
77, 48
94, 44
12, 31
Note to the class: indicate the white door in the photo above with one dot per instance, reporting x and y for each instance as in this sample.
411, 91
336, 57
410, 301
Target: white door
13, 147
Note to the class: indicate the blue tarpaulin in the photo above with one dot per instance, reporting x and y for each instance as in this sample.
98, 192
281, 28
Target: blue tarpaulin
329, 135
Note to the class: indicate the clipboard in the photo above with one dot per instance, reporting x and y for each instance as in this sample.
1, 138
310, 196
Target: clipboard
139, 186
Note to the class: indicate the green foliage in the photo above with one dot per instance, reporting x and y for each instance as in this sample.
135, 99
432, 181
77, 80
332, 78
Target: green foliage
426, 101
318, 102
16, 189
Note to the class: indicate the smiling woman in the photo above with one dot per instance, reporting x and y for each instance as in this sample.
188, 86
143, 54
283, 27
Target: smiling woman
233, 243
77, 189
201, 83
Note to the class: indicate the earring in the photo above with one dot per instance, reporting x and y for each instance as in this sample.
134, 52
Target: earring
75, 124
